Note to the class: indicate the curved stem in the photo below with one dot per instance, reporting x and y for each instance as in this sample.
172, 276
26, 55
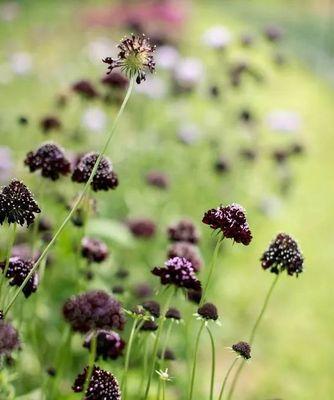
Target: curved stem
92, 357
213, 363
252, 335
8, 253
127, 358
77, 203
156, 342
212, 268
226, 377
193, 373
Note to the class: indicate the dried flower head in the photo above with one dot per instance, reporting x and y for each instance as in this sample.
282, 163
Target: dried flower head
243, 349
134, 58
94, 249
102, 385
183, 231
93, 310
108, 344
18, 270
283, 254
85, 89
208, 311
173, 313
142, 227
50, 123
17, 204
50, 159
188, 251
153, 307
231, 221
179, 272
104, 179
9, 338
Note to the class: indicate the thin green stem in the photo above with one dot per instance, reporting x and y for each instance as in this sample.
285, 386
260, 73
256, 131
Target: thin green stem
157, 340
92, 357
163, 390
226, 377
213, 363
193, 373
78, 201
252, 335
212, 268
168, 333
8, 254
127, 359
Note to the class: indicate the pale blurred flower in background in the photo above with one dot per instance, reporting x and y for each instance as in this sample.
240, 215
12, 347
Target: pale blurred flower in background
21, 63
189, 72
189, 133
217, 37
270, 206
6, 164
100, 48
94, 119
284, 121
166, 57
153, 87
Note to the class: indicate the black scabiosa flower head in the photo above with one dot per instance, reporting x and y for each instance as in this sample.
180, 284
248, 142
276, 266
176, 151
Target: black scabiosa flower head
149, 326
17, 204
153, 307
173, 313
208, 311
273, 33
157, 179
108, 344
93, 310
50, 159
168, 355
115, 80
104, 179
283, 254
195, 296
134, 58
142, 227
222, 165
94, 250
243, 349
188, 251
231, 221
9, 338
18, 270
142, 290
50, 123
178, 271
102, 385
183, 231
85, 89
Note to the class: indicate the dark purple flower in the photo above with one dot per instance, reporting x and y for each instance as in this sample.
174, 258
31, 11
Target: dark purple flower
94, 250
93, 310
18, 270
102, 385
195, 296
50, 123
208, 311
222, 165
231, 221
85, 89
108, 344
115, 80
142, 227
179, 272
173, 313
188, 251
168, 355
157, 179
283, 254
273, 33
104, 179
142, 290
134, 58
17, 204
9, 338
243, 349
149, 326
153, 307
50, 159
183, 231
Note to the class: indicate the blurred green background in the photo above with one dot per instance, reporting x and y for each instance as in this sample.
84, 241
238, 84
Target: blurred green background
293, 354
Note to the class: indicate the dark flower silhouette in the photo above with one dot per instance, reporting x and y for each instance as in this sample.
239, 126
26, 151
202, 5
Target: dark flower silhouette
85, 89
108, 344
115, 80
9, 338
183, 231
94, 250
50, 159
17, 204
153, 307
243, 349
208, 311
188, 251
283, 254
50, 123
142, 227
173, 313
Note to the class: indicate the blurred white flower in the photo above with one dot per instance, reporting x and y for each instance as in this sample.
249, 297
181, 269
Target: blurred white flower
21, 63
189, 133
284, 121
166, 57
94, 119
100, 48
217, 37
270, 206
6, 164
153, 87
189, 72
